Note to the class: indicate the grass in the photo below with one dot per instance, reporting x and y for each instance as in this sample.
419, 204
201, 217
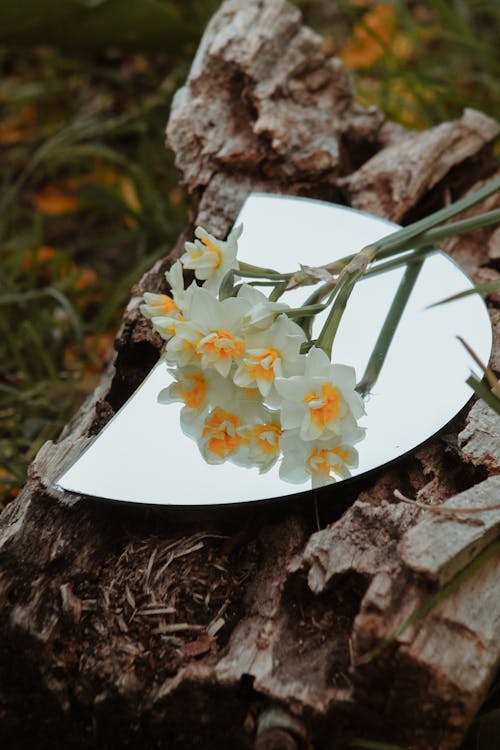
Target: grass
89, 197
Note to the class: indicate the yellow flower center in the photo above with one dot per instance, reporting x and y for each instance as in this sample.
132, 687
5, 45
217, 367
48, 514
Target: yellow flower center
221, 344
216, 260
221, 430
325, 407
318, 461
267, 437
191, 346
261, 366
166, 305
194, 396
342, 453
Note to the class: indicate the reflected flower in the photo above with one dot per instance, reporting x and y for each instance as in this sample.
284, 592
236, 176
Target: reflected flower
221, 436
263, 442
322, 461
190, 388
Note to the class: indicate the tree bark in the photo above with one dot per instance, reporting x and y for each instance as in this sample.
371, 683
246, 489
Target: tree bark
125, 627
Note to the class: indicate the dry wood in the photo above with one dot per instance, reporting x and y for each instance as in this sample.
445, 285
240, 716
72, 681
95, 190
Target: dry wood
126, 627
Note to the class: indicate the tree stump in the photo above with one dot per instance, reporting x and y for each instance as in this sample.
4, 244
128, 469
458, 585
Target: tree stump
123, 627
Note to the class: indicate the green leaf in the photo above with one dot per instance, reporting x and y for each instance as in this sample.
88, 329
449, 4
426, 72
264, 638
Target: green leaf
485, 288
484, 392
434, 599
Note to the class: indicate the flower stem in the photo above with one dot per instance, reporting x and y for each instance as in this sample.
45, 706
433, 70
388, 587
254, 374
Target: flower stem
329, 330
399, 239
386, 335
278, 291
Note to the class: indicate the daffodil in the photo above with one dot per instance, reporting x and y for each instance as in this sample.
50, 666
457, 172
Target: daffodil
190, 387
210, 258
322, 402
266, 352
262, 312
158, 305
221, 435
175, 278
211, 333
262, 440
321, 461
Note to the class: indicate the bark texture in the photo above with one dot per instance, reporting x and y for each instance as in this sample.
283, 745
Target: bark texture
124, 627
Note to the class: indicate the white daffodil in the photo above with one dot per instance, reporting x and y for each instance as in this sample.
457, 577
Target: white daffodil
321, 461
262, 441
198, 389
156, 305
322, 403
261, 312
221, 436
266, 352
210, 258
175, 278
165, 310
190, 387
210, 335
165, 326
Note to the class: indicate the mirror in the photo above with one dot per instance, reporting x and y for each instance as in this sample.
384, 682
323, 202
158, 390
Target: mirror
153, 451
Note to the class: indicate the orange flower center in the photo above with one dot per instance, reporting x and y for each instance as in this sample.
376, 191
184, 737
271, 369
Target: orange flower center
221, 344
212, 248
221, 430
194, 396
267, 437
166, 305
318, 462
261, 366
325, 407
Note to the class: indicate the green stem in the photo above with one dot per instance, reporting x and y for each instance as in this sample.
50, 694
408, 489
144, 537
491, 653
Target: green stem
278, 291
329, 330
386, 335
249, 270
400, 238
393, 263
385, 248
453, 229
406, 240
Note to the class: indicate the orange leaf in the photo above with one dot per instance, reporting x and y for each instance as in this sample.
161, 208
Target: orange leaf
54, 200
86, 278
369, 39
19, 127
38, 257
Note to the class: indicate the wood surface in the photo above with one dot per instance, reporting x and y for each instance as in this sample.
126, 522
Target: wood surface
129, 627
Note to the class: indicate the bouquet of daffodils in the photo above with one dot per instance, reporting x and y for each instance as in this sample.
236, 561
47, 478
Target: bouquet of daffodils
255, 386
249, 395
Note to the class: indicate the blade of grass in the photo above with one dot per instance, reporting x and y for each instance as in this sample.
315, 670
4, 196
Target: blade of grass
482, 390
433, 600
485, 288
